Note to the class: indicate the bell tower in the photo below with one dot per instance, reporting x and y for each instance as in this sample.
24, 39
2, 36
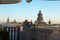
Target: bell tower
40, 18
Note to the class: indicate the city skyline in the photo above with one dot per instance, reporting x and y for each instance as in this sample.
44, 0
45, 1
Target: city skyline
21, 11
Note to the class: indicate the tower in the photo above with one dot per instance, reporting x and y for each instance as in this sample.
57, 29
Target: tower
49, 22
40, 18
40, 21
14, 21
8, 20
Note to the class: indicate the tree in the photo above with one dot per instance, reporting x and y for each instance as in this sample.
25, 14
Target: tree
4, 35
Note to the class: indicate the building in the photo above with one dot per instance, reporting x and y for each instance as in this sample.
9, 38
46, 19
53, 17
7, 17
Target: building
27, 24
14, 29
40, 21
41, 30
8, 20
27, 30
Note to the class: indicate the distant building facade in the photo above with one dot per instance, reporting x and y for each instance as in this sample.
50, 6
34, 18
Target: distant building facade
27, 24
14, 29
40, 30
40, 19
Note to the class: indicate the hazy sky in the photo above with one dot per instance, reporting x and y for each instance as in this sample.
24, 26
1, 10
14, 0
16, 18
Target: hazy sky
23, 10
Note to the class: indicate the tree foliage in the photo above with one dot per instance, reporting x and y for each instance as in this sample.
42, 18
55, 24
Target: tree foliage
4, 35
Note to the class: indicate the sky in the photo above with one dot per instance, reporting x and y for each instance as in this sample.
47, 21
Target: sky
23, 10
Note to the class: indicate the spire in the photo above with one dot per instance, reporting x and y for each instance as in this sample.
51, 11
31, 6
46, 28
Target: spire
8, 20
31, 22
40, 11
49, 22
14, 20
40, 16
